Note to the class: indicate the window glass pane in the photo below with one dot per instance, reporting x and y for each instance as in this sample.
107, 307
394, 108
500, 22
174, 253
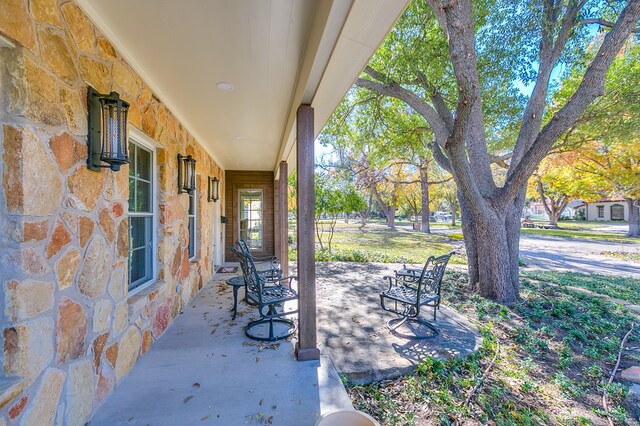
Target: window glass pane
132, 194
192, 248
144, 164
132, 159
139, 235
251, 217
137, 265
143, 196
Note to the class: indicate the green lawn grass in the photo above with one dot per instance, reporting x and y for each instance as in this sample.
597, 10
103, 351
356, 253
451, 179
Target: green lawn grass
581, 230
619, 287
556, 350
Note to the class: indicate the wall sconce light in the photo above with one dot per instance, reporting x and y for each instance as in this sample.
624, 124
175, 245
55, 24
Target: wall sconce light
214, 189
186, 174
107, 140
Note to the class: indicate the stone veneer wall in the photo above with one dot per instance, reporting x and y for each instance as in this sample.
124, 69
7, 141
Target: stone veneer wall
70, 333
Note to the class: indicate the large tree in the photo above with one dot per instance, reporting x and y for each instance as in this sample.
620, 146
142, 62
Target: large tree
451, 61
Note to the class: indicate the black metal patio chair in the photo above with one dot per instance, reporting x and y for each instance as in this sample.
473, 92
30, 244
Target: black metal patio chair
270, 297
272, 271
410, 289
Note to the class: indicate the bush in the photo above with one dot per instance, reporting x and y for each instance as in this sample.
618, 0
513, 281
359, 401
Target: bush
345, 255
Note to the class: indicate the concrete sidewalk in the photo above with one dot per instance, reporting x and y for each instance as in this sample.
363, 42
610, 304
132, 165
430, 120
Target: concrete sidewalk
204, 370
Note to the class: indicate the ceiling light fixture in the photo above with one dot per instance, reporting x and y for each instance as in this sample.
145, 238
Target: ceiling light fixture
224, 86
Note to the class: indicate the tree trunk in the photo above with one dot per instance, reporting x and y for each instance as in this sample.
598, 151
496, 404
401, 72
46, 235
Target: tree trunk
634, 218
424, 191
390, 212
492, 243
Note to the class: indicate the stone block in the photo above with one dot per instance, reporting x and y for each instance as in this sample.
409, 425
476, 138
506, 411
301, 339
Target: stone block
42, 410
59, 239
106, 384
118, 284
112, 354
162, 318
27, 299
28, 348
107, 224
97, 347
95, 73
67, 150
127, 353
120, 318
101, 316
55, 54
39, 100
80, 387
127, 80
85, 187
632, 374
16, 23
122, 243
105, 49
46, 11
33, 262
17, 408
147, 341
95, 269
35, 231
81, 28
633, 401
27, 168
71, 331
67, 267
75, 111
85, 230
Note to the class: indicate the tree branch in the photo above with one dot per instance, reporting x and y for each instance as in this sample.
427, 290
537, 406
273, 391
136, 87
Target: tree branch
590, 88
604, 23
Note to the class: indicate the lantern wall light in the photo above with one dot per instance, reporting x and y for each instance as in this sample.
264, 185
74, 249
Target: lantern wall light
107, 139
186, 174
214, 189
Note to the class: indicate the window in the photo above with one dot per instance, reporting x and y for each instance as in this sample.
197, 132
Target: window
141, 214
617, 212
251, 217
192, 224
600, 212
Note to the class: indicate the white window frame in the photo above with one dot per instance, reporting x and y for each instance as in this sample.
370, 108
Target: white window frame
600, 212
261, 248
194, 256
145, 141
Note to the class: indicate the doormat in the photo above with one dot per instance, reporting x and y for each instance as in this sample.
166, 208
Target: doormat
227, 269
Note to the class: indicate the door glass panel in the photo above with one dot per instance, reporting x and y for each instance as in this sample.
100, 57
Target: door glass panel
251, 217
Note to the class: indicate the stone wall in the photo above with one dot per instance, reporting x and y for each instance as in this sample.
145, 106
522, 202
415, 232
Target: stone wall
70, 331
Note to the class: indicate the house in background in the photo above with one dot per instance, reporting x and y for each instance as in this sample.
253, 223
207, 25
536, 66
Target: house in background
606, 210
96, 264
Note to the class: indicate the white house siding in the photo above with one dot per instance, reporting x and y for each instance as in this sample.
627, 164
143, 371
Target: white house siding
592, 210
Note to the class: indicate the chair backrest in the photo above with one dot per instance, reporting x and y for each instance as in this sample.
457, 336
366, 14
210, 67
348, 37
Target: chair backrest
432, 274
252, 279
244, 248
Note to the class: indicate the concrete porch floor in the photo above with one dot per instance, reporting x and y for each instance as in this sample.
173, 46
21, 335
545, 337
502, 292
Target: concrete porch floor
204, 370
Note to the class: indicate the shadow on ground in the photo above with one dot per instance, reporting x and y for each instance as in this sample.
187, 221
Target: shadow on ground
352, 325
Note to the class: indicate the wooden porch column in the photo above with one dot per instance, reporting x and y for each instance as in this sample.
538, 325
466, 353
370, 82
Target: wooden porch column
306, 348
276, 217
283, 213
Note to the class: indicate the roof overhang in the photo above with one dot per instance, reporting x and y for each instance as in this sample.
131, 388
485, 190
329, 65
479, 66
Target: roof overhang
278, 54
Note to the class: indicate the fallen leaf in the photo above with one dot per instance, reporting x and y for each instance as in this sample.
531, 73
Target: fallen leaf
186, 399
270, 420
273, 407
261, 402
205, 418
213, 331
196, 385
257, 358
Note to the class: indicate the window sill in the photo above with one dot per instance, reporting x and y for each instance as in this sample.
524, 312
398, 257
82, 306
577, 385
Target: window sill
142, 296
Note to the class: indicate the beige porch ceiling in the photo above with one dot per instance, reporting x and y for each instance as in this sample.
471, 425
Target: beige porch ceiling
276, 53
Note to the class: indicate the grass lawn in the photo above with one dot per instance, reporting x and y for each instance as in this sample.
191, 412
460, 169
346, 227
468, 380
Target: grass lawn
375, 243
553, 356
581, 230
619, 287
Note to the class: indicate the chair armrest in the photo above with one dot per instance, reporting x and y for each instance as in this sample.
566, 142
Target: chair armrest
290, 278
